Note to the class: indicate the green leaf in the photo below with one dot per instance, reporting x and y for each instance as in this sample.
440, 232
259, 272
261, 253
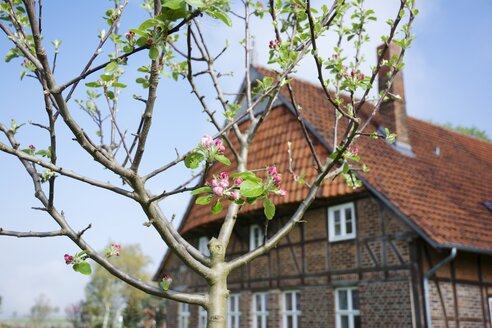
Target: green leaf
92, 85
84, 268
201, 190
346, 168
219, 14
204, 200
111, 67
173, 4
151, 22
142, 33
193, 160
268, 208
222, 159
153, 53
106, 77
246, 176
251, 189
110, 94
119, 85
196, 3
217, 207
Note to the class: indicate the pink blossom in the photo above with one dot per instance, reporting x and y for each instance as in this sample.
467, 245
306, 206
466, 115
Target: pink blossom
361, 76
238, 181
220, 145
68, 258
233, 196
282, 192
218, 191
356, 151
215, 183
223, 175
207, 141
276, 179
116, 246
273, 44
272, 170
224, 183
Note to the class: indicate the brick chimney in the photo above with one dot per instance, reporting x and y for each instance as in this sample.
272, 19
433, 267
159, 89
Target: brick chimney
393, 112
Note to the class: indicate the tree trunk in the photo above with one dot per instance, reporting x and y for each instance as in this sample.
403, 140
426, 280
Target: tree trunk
217, 311
106, 315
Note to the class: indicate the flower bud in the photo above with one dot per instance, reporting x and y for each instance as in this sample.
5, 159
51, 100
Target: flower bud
238, 181
166, 282
68, 259
207, 141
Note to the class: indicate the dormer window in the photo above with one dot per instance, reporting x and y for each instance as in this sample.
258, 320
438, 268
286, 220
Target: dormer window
341, 222
256, 237
203, 245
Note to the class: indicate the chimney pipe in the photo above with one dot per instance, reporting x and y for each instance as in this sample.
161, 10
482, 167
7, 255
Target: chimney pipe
393, 111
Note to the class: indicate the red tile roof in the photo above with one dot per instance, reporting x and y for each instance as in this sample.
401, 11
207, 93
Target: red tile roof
440, 195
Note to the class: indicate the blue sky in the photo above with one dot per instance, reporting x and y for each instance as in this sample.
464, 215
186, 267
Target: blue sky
446, 77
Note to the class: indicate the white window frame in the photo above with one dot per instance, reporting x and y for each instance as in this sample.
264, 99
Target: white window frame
343, 222
263, 312
490, 308
203, 245
350, 312
253, 241
184, 315
295, 313
202, 317
233, 312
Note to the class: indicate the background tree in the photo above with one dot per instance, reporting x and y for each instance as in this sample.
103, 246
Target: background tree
297, 27
469, 131
41, 311
109, 298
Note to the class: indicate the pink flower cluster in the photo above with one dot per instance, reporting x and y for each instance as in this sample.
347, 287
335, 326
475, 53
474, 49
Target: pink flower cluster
114, 249
130, 35
220, 185
356, 75
273, 44
276, 178
68, 259
207, 142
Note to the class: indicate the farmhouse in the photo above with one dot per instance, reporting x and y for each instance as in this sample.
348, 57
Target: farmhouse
412, 247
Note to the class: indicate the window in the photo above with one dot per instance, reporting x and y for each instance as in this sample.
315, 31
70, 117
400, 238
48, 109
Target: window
203, 245
233, 313
202, 317
184, 315
260, 310
341, 222
490, 309
256, 237
291, 304
347, 307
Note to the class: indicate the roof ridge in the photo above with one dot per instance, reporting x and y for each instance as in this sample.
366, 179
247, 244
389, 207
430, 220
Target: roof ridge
437, 125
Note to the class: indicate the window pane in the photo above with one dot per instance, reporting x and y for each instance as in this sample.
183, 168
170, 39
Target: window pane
342, 300
357, 322
337, 224
348, 214
348, 227
345, 321
290, 323
288, 301
257, 302
355, 299
298, 301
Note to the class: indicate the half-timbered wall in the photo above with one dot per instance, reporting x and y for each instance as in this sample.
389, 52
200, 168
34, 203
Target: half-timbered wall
460, 291
377, 262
